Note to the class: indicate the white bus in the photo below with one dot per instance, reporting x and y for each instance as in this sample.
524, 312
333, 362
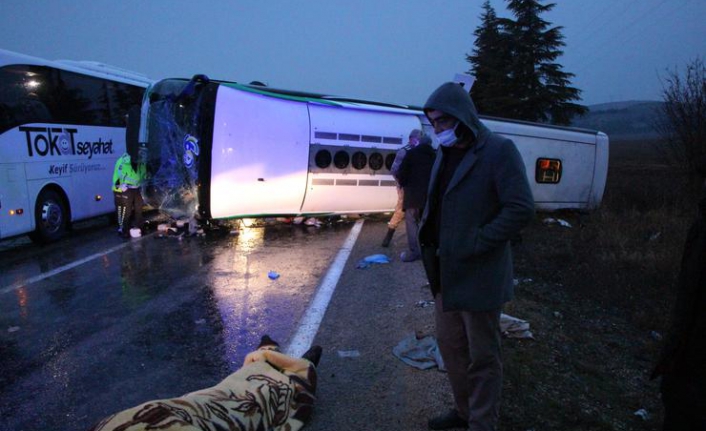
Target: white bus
227, 150
62, 127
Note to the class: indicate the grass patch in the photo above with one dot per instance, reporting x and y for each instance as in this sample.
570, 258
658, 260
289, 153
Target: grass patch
596, 295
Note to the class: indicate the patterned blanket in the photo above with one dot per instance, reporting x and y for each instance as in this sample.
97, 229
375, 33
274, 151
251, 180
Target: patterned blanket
272, 391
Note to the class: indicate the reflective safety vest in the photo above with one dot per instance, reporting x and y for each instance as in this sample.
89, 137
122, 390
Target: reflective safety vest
124, 174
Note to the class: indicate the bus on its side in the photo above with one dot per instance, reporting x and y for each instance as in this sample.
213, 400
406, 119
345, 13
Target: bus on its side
218, 150
62, 127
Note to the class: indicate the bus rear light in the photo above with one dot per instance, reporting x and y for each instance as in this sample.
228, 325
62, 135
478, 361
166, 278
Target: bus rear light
548, 171
18, 211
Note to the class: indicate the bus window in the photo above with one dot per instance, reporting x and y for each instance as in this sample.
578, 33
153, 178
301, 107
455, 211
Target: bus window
23, 96
120, 98
82, 100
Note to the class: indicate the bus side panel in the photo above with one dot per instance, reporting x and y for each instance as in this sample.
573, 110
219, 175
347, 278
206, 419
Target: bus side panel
14, 197
348, 189
83, 165
259, 156
92, 176
576, 151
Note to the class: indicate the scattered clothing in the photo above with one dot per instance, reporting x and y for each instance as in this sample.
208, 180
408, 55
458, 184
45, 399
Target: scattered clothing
422, 353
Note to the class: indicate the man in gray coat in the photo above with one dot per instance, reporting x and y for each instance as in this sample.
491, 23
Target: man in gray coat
479, 198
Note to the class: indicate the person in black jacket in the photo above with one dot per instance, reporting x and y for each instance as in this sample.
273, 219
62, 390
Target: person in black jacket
413, 177
682, 364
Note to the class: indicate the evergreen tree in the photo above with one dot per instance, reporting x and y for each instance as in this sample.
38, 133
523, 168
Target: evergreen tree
528, 84
490, 66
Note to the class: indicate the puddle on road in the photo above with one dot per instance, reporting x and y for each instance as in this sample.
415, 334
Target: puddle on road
250, 302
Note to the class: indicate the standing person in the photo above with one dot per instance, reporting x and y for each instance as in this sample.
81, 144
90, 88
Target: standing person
394, 170
413, 176
128, 177
479, 198
682, 364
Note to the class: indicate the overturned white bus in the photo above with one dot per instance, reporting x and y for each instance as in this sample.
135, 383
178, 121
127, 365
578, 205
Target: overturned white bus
220, 150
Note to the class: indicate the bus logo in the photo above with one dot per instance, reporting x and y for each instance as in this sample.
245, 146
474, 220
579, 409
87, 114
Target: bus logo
191, 150
58, 141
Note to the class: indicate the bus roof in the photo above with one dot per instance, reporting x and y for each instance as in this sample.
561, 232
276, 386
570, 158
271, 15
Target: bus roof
91, 68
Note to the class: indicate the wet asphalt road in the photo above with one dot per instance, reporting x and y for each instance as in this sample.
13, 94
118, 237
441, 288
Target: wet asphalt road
94, 323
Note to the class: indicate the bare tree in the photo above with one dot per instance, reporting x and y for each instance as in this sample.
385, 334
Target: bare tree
683, 122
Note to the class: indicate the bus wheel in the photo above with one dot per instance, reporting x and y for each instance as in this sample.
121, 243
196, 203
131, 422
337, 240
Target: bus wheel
51, 217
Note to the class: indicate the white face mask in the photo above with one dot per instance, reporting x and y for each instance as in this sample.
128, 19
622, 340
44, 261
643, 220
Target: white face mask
447, 138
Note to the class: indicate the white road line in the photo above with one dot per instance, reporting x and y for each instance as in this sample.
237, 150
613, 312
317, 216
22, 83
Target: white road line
309, 325
53, 272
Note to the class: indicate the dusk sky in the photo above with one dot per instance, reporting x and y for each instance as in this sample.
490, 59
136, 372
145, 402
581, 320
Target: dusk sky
391, 51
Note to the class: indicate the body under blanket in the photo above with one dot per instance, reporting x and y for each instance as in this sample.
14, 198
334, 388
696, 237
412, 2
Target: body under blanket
272, 391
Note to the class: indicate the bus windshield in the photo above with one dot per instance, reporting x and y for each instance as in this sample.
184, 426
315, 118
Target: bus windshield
176, 136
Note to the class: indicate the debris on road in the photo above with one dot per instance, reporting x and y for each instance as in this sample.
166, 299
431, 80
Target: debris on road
561, 222
372, 259
512, 327
348, 353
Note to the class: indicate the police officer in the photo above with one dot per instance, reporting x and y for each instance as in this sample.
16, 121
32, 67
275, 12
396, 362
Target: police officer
128, 177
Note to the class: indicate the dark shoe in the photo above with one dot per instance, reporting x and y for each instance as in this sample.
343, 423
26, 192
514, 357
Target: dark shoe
409, 257
313, 355
265, 340
388, 237
448, 421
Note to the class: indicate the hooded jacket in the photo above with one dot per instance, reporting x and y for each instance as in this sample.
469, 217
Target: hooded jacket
486, 203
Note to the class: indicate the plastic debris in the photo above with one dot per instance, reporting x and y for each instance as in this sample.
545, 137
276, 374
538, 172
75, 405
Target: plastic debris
135, 232
656, 335
517, 281
200, 321
273, 275
372, 259
298, 220
550, 220
642, 414
13, 329
424, 304
512, 327
312, 221
348, 353
193, 227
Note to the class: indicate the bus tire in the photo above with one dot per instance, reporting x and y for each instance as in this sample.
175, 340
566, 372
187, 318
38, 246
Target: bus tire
51, 217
